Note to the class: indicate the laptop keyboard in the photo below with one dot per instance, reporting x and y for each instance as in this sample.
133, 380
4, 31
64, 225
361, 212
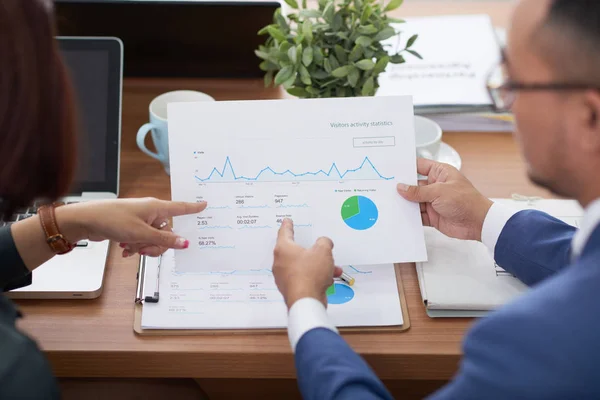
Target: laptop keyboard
27, 212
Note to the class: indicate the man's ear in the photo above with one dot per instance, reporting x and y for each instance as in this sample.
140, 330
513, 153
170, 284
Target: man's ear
590, 122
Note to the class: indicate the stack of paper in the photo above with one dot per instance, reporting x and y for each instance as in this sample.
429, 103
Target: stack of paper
458, 54
461, 278
246, 298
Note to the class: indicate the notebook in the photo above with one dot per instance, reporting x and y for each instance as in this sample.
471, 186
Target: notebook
461, 279
458, 51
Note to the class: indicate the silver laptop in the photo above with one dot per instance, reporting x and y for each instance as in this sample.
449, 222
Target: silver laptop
96, 69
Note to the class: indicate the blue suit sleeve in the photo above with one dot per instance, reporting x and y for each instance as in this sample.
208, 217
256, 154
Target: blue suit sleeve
327, 369
534, 245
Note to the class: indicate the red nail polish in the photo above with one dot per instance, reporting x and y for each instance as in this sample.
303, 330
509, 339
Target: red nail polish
186, 244
142, 253
123, 245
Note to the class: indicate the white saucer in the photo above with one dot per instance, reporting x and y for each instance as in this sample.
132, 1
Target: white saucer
450, 156
447, 155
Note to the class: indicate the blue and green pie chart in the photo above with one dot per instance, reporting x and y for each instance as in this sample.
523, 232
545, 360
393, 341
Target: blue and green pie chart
339, 293
359, 213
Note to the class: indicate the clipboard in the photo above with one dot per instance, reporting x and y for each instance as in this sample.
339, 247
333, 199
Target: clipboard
140, 299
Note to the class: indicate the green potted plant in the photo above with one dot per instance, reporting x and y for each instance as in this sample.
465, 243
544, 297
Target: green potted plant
335, 50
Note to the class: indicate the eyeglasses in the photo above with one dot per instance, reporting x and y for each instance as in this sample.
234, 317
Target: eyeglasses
503, 91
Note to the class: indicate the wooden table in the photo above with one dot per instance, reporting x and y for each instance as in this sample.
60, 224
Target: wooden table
94, 338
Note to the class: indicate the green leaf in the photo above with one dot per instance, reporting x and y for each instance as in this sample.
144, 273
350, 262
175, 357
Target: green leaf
340, 91
268, 66
276, 33
358, 4
283, 75
320, 74
411, 41
333, 62
322, 4
368, 88
292, 3
395, 20
307, 30
303, 3
367, 29
364, 41
341, 71
328, 12
353, 77
340, 53
368, 53
312, 90
365, 65
366, 14
392, 5
380, 65
317, 55
292, 54
285, 46
321, 27
327, 66
342, 35
261, 54
386, 33
290, 82
304, 75
329, 83
336, 25
310, 13
356, 53
281, 21
298, 92
307, 56
268, 78
264, 30
414, 53
397, 59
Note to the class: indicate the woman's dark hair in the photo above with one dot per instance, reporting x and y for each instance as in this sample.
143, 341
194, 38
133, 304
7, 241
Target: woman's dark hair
37, 116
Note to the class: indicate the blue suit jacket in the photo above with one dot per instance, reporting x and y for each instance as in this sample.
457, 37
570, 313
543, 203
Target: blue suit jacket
545, 345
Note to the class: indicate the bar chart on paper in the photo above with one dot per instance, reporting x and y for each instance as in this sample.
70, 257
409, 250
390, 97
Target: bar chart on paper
330, 177
248, 298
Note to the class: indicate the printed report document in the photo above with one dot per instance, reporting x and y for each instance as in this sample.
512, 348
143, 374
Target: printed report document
330, 165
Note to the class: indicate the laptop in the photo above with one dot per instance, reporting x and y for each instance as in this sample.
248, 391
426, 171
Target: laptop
95, 65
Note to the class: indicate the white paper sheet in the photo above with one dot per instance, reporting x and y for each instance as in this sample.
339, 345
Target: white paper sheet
458, 53
248, 299
462, 275
331, 165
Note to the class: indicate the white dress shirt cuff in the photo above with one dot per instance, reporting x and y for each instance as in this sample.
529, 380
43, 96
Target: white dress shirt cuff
495, 220
307, 314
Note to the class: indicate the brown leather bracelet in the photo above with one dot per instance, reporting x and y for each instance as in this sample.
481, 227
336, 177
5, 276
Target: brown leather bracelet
57, 242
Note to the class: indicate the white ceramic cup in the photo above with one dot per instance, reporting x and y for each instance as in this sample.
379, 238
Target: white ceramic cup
428, 138
158, 123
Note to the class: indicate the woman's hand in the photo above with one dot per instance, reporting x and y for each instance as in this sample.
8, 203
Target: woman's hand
301, 272
139, 225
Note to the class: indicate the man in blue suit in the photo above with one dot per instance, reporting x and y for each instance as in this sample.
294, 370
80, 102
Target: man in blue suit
545, 345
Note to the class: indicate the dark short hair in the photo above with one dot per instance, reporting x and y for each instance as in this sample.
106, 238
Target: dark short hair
582, 15
37, 118
570, 38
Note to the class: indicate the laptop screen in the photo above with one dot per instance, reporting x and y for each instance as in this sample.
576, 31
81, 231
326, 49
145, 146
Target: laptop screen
94, 67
